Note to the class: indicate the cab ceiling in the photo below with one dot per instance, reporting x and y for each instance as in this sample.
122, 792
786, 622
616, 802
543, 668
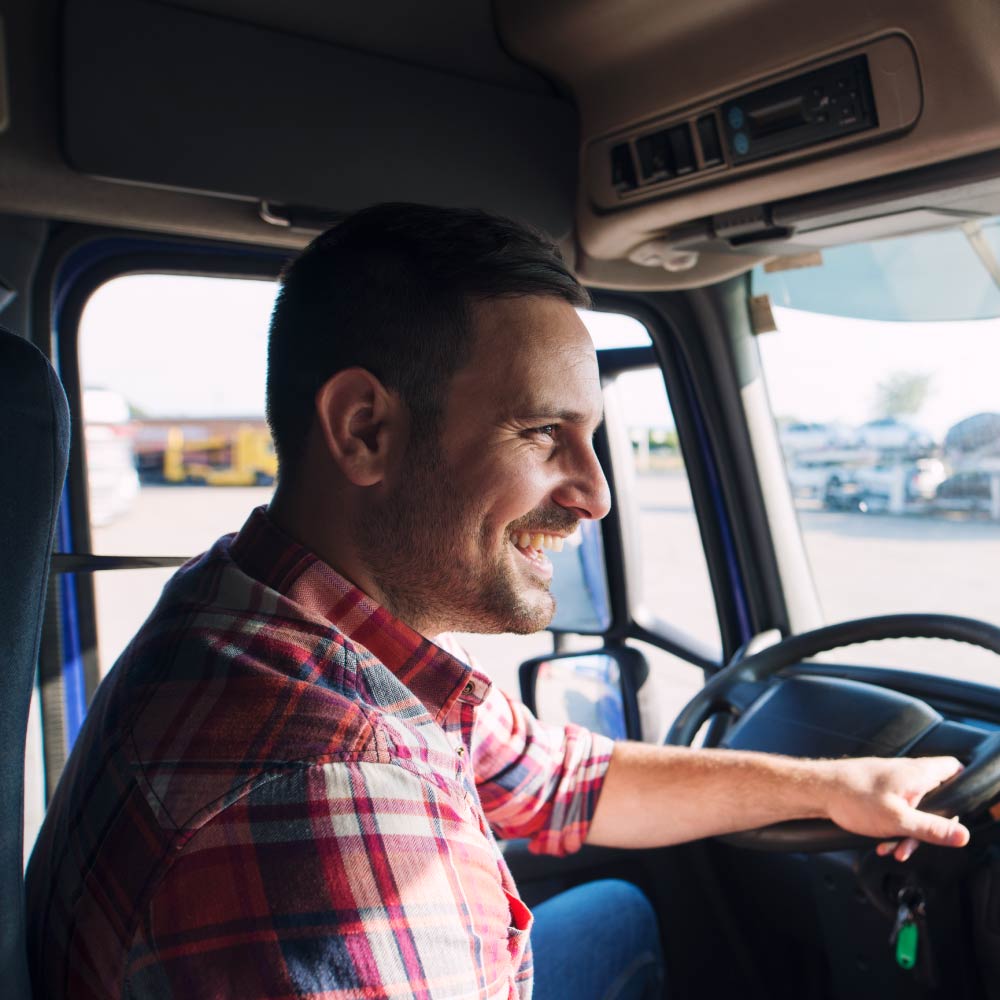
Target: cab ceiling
183, 115
173, 96
452, 36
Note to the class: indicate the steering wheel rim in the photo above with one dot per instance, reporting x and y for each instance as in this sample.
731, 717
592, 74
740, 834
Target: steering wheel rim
963, 794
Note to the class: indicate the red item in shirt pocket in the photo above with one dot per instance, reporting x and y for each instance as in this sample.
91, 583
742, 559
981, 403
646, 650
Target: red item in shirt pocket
517, 931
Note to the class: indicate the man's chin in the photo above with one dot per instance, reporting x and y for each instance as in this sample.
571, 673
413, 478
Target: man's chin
532, 617
522, 615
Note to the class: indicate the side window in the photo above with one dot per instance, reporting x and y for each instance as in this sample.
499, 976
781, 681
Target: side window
673, 581
178, 454
669, 581
178, 451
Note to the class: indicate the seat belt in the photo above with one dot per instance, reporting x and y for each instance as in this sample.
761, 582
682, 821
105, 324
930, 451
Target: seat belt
87, 562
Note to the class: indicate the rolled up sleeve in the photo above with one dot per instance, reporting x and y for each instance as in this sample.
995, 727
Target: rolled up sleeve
537, 780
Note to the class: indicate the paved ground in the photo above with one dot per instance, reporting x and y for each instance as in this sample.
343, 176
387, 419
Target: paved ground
865, 564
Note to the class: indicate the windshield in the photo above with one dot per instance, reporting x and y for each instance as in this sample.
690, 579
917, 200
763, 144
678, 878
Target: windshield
883, 383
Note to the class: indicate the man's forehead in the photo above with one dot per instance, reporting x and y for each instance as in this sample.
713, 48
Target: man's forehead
532, 356
531, 330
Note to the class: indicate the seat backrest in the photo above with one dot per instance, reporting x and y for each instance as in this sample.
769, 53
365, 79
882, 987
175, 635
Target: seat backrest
34, 451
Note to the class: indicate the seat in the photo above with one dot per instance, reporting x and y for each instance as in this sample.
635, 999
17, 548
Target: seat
34, 452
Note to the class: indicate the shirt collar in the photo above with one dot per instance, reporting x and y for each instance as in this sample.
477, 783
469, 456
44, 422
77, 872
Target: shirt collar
434, 675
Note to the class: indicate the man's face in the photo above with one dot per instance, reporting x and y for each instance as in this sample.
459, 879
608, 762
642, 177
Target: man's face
456, 544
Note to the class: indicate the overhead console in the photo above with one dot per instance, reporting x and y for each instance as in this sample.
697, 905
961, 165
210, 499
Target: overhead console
670, 194
862, 95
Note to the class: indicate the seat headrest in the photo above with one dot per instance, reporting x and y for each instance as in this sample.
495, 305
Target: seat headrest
34, 452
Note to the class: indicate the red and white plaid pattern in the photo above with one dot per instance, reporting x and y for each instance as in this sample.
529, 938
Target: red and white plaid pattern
282, 791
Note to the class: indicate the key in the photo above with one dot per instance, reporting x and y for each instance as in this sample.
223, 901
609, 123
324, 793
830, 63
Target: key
905, 935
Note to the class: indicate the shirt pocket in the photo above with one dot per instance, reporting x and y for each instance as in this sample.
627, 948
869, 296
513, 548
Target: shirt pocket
518, 928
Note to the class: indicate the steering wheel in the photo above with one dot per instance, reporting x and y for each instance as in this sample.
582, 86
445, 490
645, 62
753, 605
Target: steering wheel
738, 686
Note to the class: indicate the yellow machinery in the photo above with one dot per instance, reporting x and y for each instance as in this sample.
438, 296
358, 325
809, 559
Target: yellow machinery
247, 459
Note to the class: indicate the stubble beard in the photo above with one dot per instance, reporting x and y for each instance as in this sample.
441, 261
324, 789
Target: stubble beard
408, 545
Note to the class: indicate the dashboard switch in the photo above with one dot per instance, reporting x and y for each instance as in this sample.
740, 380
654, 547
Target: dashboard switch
682, 149
708, 136
623, 168
655, 160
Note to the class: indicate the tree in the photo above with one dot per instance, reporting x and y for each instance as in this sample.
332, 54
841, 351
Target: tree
902, 394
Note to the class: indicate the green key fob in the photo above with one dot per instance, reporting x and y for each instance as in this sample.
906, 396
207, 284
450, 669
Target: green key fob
906, 945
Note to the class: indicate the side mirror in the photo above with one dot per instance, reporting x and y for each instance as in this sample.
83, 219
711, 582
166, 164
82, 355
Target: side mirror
598, 690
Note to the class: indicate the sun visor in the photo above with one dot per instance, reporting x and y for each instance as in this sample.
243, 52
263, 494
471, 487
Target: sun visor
939, 276
170, 97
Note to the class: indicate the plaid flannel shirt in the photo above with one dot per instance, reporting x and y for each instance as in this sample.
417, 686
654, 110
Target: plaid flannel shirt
282, 791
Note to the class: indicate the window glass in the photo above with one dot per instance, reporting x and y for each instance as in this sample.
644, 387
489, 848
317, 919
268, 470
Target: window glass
675, 584
891, 437
931, 277
177, 446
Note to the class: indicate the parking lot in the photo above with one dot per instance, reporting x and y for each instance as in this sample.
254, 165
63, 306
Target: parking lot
865, 564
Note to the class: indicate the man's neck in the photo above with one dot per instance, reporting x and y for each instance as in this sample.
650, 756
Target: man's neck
325, 528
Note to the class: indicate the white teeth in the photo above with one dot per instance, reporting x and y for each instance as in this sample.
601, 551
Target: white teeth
537, 540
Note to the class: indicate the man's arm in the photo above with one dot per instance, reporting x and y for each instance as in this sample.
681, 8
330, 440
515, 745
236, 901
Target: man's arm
654, 796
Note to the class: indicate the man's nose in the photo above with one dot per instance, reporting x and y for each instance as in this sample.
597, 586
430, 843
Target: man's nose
585, 490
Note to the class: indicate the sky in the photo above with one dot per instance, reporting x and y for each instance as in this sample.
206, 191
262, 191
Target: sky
827, 369
196, 346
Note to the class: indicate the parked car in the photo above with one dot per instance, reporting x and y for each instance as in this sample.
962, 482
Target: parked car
888, 433
892, 487
970, 490
798, 437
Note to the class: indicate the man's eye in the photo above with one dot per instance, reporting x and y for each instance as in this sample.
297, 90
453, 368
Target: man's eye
549, 430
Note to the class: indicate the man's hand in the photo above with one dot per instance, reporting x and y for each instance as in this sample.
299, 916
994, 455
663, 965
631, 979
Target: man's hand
876, 797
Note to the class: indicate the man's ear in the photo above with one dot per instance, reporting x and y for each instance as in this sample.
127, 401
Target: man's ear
360, 422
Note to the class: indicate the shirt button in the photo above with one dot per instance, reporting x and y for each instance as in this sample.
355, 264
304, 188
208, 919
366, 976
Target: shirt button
469, 688
460, 750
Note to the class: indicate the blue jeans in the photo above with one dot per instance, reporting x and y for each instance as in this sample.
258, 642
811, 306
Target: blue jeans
599, 941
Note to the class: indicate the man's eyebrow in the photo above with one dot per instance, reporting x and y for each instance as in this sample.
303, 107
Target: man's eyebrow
546, 415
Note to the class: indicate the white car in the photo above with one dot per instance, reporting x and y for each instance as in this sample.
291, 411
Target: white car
888, 433
111, 474
805, 436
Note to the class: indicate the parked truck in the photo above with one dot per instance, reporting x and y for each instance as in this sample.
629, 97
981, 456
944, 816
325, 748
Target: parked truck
245, 458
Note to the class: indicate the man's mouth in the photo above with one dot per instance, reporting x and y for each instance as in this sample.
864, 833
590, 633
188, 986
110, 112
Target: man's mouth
537, 541
531, 546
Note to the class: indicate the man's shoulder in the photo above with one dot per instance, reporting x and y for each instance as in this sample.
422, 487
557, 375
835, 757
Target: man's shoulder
226, 680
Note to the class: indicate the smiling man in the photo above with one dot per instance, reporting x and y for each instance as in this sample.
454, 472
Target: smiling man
291, 782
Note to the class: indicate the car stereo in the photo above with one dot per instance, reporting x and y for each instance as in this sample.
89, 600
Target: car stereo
829, 102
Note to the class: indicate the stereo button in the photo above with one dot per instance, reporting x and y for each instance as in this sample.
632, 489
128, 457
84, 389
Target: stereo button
682, 149
708, 135
622, 169
654, 156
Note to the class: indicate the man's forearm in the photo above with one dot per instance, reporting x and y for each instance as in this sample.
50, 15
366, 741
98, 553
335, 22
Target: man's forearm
654, 796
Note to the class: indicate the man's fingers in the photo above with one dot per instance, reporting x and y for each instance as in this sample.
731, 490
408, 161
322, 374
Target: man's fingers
935, 770
901, 850
934, 829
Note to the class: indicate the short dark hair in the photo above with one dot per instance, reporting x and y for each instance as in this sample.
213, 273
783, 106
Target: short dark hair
389, 290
